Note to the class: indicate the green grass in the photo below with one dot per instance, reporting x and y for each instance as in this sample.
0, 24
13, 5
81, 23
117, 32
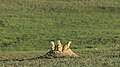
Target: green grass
28, 26
98, 57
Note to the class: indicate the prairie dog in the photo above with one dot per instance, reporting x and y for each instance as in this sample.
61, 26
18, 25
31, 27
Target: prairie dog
69, 43
52, 45
66, 46
60, 47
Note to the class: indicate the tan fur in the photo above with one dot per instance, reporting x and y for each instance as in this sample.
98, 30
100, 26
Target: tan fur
60, 51
60, 47
69, 43
66, 46
52, 45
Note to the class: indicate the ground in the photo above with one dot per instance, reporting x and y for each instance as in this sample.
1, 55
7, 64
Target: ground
89, 57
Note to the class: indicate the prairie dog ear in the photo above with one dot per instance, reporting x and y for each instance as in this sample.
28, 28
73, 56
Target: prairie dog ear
69, 43
53, 45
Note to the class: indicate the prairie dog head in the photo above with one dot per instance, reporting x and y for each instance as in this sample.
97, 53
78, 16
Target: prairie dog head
59, 42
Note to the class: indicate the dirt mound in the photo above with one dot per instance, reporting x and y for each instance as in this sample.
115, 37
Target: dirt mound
59, 50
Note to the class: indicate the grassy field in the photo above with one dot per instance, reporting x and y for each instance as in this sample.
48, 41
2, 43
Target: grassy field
28, 26
98, 57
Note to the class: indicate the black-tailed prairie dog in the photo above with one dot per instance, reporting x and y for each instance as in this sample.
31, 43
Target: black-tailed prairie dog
65, 47
57, 50
52, 45
60, 47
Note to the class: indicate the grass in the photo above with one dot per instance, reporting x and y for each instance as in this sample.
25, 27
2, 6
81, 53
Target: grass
98, 57
28, 26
